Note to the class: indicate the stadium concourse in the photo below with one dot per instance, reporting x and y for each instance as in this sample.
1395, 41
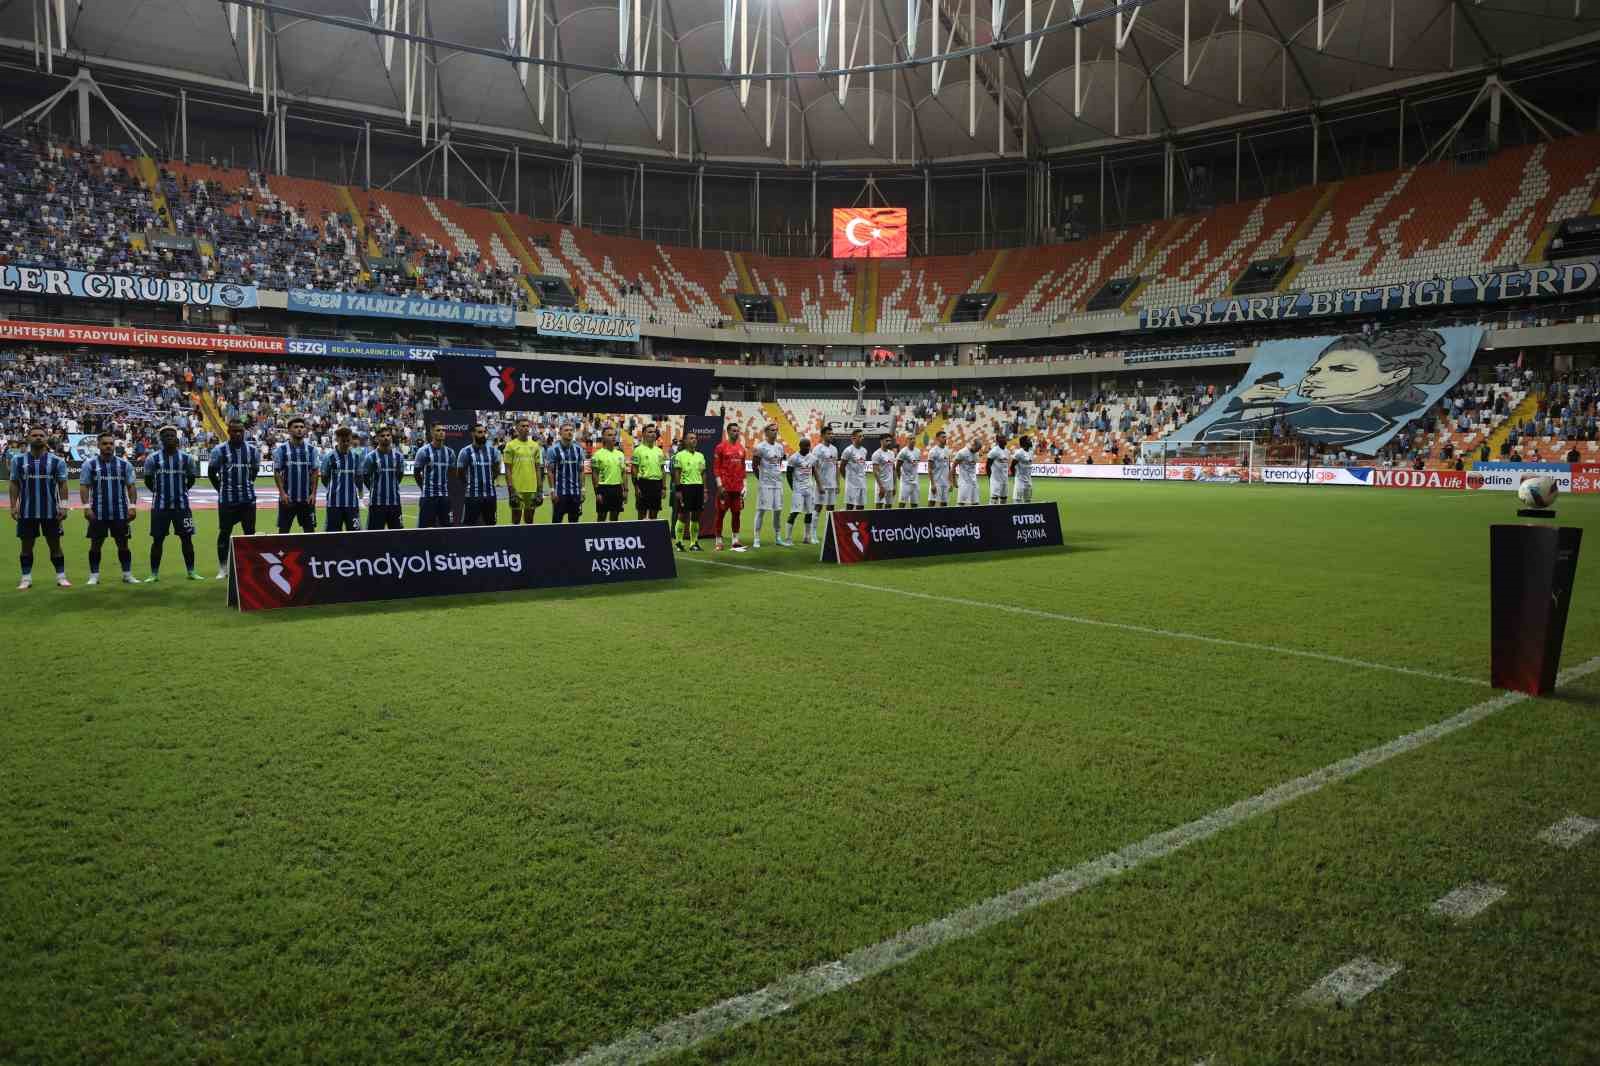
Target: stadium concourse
1172, 726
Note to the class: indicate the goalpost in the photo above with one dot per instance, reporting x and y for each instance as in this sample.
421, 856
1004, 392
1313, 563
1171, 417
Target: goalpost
1226, 462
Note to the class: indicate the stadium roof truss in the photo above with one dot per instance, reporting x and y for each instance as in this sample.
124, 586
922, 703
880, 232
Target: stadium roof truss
802, 82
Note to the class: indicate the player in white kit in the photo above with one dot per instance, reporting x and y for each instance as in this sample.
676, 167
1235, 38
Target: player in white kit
854, 457
803, 490
999, 470
827, 473
908, 459
768, 458
1022, 472
883, 461
966, 463
938, 472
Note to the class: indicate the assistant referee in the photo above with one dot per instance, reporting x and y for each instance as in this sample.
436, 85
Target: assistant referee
607, 469
649, 467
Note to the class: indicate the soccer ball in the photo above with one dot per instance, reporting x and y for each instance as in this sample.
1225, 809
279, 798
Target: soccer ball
1538, 492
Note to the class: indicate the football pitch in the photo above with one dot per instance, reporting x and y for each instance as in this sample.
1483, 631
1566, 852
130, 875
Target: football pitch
1129, 801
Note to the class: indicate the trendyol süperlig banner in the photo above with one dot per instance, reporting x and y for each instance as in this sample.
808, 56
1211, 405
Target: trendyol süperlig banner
133, 288
1352, 392
1494, 287
379, 305
570, 385
312, 569
904, 533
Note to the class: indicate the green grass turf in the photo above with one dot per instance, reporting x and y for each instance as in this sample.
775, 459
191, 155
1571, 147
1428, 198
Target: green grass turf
506, 828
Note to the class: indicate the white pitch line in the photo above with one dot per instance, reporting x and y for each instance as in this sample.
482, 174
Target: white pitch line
1126, 627
1569, 832
1465, 902
689, 1030
1350, 983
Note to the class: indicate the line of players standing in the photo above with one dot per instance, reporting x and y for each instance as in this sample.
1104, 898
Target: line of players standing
812, 474
107, 485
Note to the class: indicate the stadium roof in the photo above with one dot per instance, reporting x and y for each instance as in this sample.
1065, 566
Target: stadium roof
1181, 64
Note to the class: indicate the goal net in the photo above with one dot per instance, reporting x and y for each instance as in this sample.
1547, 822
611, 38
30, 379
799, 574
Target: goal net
1228, 462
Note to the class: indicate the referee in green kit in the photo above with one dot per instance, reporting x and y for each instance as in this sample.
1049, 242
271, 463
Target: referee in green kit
649, 468
607, 469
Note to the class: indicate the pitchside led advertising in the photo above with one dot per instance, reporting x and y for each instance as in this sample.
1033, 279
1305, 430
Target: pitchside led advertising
869, 232
871, 536
313, 569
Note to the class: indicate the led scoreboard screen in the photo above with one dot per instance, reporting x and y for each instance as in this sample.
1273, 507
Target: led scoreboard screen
869, 232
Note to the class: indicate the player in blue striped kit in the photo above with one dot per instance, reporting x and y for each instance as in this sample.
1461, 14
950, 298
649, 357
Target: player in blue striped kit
169, 474
294, 468
106, 485
38, 489
432, 467
341, 473
479, 466
381, 471
232, 470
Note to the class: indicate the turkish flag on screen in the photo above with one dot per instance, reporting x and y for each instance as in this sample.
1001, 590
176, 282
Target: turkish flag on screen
869, 232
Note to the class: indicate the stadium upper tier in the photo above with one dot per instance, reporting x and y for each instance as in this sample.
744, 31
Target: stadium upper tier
98, 209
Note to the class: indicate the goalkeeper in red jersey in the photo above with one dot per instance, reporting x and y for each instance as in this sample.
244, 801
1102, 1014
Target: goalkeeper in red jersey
728, 464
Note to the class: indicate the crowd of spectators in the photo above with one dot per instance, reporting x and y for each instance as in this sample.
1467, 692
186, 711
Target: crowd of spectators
79, 207
132, 396
69, 208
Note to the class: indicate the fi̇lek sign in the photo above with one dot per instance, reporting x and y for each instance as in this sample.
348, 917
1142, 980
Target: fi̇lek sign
1494, 287
574, 385
870, 536
314, 569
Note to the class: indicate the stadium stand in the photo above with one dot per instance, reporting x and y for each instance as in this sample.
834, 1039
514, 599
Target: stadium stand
1448, 220
918, 292
817, 293
1043, 284
96, 209
1210, 250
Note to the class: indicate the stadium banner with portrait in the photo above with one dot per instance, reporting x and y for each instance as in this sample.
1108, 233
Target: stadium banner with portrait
135, 337
911, 533
315, 569
584, 325
575, 385
414, 308
1495, 286
128, 288
1353, 392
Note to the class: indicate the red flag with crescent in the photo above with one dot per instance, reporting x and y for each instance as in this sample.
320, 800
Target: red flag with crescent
869, 232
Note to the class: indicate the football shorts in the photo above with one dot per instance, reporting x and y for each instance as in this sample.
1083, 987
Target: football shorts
171, 520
